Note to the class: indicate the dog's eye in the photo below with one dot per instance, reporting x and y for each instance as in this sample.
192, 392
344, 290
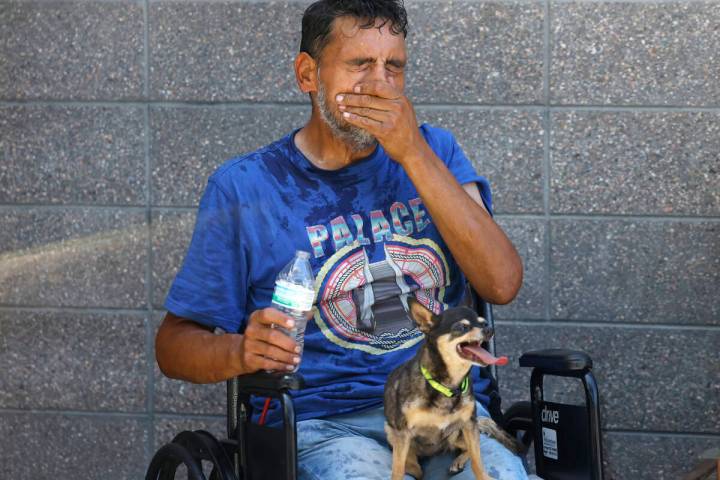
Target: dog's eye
460, 328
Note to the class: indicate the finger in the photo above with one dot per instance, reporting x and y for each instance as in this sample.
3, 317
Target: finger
367, 101
378, 115
379, 89
271, 351
273, 336
271, 316
364, 122
264, 363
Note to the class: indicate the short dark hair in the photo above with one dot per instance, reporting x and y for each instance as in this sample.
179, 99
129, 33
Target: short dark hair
318, 18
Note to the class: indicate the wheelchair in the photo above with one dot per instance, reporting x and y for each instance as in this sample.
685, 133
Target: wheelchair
566, 437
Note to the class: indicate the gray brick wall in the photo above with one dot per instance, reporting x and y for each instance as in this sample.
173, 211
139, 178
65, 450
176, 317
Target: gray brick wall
597, 123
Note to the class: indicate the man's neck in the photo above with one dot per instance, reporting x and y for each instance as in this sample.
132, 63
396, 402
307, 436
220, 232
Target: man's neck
317, 142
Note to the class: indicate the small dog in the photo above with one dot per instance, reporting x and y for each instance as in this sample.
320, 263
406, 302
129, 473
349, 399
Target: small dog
429, 401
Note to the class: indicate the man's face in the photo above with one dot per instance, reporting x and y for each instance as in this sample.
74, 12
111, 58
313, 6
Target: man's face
354, 55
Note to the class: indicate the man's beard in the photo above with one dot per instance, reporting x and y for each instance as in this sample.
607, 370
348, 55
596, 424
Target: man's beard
355, 137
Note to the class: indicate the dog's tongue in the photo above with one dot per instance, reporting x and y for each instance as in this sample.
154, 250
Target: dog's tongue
485, 357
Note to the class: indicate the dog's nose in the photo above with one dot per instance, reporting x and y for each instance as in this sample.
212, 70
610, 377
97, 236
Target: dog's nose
488, 332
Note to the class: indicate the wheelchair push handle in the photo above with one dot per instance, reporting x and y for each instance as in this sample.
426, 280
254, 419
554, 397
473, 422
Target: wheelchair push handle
557, 360
567, 438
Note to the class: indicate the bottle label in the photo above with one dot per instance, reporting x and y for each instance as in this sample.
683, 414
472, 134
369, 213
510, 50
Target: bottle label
294, 297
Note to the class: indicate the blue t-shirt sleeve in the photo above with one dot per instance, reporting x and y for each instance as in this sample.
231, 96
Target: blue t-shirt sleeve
211, 286
447, 148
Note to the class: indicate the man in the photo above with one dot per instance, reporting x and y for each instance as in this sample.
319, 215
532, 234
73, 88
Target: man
386, 208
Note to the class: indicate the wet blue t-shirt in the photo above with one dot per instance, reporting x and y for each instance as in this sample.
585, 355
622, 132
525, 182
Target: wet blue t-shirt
372, 244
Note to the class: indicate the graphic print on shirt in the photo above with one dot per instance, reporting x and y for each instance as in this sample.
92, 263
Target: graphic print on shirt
362, 302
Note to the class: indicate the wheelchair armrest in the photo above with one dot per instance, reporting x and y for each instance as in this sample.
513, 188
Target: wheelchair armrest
557, 360
271, 381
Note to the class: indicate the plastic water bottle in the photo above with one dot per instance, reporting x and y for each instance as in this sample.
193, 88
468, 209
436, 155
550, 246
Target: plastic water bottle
294, 294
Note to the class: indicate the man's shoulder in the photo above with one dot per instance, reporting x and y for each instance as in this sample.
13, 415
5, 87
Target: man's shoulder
440, 140
250, 166
438, 135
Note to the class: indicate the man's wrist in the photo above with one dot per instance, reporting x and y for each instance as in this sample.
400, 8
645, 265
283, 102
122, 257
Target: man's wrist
235, 348
420, 152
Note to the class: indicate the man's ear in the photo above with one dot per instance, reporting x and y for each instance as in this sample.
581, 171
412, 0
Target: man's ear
424, 318
306, 73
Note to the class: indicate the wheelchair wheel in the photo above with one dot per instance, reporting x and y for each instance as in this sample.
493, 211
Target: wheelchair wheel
215, 474
190, 449
166, 461
517, 421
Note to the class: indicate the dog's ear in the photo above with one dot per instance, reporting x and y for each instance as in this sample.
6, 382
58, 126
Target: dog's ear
467, 298
423, 317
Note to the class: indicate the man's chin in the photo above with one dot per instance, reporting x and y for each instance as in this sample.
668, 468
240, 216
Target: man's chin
364, 144
355, 138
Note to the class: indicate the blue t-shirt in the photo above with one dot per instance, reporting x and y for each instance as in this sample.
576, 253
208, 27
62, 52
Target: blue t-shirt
372, 244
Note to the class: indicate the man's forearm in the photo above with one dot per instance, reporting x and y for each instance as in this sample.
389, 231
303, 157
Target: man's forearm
186, 351
483, 251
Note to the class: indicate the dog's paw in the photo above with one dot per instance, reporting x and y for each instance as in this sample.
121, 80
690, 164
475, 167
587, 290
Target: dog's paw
456, 467
414, 470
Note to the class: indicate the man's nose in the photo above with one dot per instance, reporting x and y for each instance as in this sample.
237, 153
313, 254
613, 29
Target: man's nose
380, 73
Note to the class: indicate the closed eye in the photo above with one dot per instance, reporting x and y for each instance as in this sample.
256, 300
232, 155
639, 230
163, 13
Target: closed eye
395, 66
358, 62
392, 65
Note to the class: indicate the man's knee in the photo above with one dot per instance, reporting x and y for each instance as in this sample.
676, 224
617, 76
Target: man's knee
345, 457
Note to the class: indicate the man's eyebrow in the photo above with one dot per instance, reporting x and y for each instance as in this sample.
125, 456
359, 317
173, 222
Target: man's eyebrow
396, 62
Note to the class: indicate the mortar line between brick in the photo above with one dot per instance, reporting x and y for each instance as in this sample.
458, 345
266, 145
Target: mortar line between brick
68, 206
546, 53
150, 389
79, 413
635, 217
150, 384
547, 247
622, 1
542, 323
661, 433
604, 216
151, 103
6, 307
108, 414
547, 290
501, 215
635, 108
304, 105
146, 50
185, 416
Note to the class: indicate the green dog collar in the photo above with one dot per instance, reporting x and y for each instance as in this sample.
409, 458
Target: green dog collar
448, 392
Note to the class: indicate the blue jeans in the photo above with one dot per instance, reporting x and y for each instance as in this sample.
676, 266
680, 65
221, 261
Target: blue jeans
353, 447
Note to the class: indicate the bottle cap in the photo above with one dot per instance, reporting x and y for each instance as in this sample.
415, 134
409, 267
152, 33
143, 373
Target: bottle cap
302, 254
